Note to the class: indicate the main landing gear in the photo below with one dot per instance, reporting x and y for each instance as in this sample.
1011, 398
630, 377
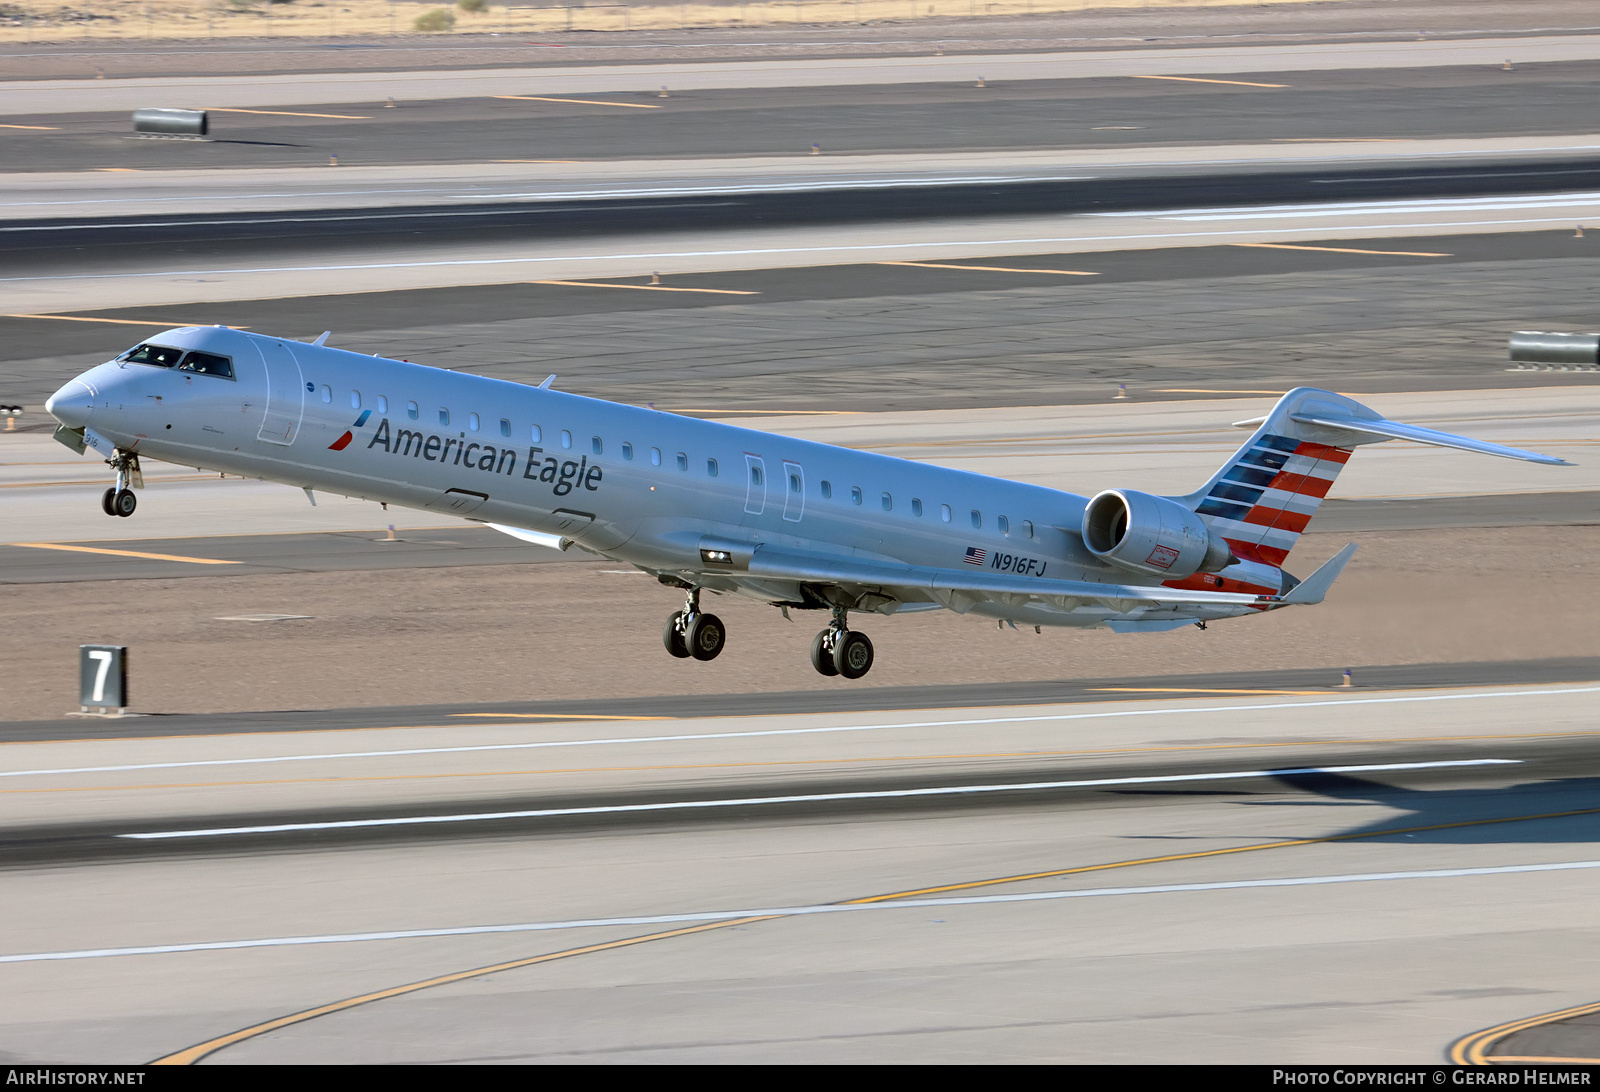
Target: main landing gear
690, 633
119, 500
839, 650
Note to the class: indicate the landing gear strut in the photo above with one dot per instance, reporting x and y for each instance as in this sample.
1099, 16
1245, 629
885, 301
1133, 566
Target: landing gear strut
689, 632
119, 500
839, 650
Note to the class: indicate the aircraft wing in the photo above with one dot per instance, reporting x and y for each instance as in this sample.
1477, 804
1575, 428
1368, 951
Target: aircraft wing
976, 585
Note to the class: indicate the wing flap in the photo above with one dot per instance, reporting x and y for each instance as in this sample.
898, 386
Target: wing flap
942, 583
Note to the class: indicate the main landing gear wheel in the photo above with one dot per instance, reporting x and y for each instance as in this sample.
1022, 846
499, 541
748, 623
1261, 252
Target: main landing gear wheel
705, 636
822, 653
124, 502
672, 636
107, 500
852, 654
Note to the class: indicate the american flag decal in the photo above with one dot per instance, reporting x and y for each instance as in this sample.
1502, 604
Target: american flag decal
976, 556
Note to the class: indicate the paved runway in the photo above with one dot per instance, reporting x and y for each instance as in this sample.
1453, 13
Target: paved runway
943, 876
1403, 313
28, 97
1099, 115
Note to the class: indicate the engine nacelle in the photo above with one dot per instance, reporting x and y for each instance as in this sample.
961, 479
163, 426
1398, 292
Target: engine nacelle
1152, 535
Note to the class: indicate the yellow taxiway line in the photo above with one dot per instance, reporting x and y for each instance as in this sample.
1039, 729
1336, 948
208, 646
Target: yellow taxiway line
653, 288
124, 553
994, 269
581, 102
122, 322
286, 113
1197, 79
1348, 250
1470, 1050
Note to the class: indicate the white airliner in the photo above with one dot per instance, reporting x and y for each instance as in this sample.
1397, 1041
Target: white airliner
710, 507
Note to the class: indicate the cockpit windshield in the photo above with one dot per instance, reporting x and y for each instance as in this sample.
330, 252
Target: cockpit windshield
207, 364
158, 355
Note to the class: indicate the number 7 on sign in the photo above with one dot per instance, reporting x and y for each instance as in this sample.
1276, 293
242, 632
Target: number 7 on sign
104, 656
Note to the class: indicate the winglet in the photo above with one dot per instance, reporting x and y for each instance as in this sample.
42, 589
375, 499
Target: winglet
1314, 587
323, 338
549, 379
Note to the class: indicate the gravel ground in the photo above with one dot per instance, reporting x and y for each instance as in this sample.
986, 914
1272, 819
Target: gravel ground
553, 632
74, 55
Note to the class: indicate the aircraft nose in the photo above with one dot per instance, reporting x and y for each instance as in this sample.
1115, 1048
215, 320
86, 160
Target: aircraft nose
71, 405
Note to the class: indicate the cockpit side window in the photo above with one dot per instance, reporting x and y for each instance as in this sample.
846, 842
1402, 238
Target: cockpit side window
158, 355
207, 364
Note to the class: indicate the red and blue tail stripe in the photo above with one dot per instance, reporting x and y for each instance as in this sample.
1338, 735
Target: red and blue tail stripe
1263, 499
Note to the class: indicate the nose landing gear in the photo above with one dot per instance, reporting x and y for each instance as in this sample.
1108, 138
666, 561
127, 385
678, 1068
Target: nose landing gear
839, 650
120, 500
691, 633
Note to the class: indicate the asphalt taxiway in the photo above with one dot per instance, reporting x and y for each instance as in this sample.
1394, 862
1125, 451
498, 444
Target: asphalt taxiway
846, 887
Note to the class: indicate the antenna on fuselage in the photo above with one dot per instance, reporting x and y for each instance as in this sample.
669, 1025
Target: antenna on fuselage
549, 379
323, 338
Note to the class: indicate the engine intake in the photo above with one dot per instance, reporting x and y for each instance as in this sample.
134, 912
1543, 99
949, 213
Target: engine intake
1152, 535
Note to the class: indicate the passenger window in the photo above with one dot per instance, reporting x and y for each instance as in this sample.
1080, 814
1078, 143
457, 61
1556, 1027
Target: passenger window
711, 467
977, 518
755, 475
444, 416
327, 394
157, 355
794, 483
855, 494
566, 438
534, 433
472, 422
627, 451
827, 490
505, 427
1004, 525
207, 364
383, 404
944, 512
916, 506
888, 503
596, 446
1027, 528
683, 461
412, 411
655, 456
355, 399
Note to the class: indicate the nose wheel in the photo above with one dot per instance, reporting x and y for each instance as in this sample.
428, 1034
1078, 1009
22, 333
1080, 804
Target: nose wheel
120, 500
693, 633
839, 650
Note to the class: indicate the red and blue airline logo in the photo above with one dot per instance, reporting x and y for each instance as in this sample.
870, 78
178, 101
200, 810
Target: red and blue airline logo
344, 441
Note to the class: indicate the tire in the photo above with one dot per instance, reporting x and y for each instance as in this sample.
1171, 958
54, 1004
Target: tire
705, 637
107, 499
822, 655
672, 636
124, 502
852, 655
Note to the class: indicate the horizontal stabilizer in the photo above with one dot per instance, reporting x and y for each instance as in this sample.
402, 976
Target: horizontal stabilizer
1394, 430
1315, 587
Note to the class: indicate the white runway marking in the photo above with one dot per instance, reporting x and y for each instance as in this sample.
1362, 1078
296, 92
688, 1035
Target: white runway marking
602, 742
793, 911
943, 246
806, 798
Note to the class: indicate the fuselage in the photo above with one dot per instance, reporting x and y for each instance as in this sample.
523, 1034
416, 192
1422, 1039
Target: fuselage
631, 483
